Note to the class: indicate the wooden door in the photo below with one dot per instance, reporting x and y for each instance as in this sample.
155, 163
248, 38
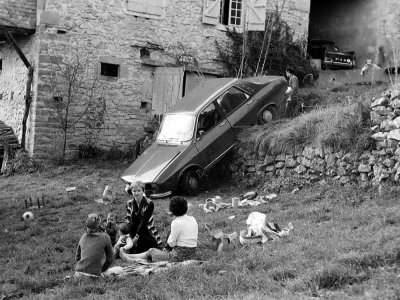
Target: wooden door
167, 88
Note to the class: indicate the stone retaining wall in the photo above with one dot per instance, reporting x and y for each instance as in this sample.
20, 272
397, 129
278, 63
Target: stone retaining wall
315, 164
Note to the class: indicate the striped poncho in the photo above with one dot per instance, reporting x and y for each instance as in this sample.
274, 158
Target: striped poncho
143, 226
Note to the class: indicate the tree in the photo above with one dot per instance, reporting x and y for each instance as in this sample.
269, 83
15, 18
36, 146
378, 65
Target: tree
76, 95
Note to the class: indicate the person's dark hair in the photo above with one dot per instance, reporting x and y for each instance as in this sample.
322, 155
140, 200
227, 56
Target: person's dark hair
290, 70
125, 228
178, 206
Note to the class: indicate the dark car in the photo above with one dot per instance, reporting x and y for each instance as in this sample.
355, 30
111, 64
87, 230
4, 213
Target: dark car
201, 128
330, 55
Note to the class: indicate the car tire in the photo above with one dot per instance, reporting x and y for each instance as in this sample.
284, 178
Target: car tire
267, 115
190, 182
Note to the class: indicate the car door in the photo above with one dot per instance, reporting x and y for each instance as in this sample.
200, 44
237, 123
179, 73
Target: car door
214, 135
236, 106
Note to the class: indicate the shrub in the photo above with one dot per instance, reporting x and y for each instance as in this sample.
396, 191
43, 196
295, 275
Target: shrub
88, 151
266, 52
21, 163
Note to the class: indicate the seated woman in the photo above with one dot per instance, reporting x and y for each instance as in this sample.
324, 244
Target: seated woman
140, 216
182, 241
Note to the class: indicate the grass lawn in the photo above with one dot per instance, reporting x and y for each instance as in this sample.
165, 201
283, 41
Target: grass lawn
345, 245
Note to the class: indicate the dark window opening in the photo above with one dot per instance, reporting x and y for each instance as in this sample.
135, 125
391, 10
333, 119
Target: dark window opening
1, 64
144, 53
146, 106
57, 98
231, 12
224, 15
60, 31
110, 70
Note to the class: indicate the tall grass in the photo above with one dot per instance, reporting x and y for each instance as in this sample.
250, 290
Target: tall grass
335, 127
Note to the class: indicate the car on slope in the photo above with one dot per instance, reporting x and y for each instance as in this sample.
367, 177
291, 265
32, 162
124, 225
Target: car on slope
330, 55
201, 128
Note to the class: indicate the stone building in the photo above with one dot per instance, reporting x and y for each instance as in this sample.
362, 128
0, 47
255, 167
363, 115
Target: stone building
146, 55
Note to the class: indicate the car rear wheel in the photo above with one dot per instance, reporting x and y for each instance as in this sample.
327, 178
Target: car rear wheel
190, 182
267, 115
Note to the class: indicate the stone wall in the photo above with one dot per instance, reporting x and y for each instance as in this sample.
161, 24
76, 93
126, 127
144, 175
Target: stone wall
296, 13
13, 78
104, 31
18, 13
108, 33
315, 164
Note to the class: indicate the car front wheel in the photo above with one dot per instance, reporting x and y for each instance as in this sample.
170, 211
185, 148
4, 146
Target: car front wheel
190, 182
267, 115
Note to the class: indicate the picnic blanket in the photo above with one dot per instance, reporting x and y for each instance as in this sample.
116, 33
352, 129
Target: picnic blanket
142, 267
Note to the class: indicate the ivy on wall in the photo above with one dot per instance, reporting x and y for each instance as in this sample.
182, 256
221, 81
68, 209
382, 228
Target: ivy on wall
255, 53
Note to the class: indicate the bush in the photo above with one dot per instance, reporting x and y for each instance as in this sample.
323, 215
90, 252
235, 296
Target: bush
21, 163
88, 151
267, 52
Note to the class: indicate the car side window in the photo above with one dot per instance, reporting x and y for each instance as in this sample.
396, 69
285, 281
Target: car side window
231, 99
208, 118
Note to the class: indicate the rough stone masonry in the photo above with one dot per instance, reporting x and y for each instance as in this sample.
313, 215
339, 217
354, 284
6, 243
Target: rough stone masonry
374, 167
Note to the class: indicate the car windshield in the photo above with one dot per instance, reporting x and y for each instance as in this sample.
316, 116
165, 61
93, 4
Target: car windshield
176, 128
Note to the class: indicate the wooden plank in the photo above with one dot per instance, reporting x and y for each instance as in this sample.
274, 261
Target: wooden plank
167, 89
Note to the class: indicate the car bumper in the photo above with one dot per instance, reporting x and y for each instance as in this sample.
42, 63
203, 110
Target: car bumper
336, 63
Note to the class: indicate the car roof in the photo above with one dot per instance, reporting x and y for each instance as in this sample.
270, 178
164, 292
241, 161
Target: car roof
208, 89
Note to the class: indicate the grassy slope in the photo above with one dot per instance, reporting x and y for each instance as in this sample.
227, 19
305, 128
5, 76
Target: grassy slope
346, 243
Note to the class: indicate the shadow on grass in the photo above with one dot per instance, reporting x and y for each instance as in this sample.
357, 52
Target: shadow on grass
352, 270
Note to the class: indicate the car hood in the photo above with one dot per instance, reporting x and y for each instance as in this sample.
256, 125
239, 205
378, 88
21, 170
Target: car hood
151, 162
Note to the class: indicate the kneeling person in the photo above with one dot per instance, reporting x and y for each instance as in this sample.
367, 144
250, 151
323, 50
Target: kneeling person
182, 241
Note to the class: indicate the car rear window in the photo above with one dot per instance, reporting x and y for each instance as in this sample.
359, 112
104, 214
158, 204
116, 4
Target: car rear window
231, 99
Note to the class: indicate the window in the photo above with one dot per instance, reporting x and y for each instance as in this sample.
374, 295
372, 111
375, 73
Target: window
231, 12
144, 53
176, 128
223, 13
152, 9
231, 99
1, 64
208, 118
110, 70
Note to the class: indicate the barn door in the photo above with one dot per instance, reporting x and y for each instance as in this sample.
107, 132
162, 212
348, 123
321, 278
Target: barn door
167, 88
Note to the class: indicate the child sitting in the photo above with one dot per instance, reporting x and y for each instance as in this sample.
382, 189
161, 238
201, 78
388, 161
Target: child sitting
125, 241
111, 227
93, 247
